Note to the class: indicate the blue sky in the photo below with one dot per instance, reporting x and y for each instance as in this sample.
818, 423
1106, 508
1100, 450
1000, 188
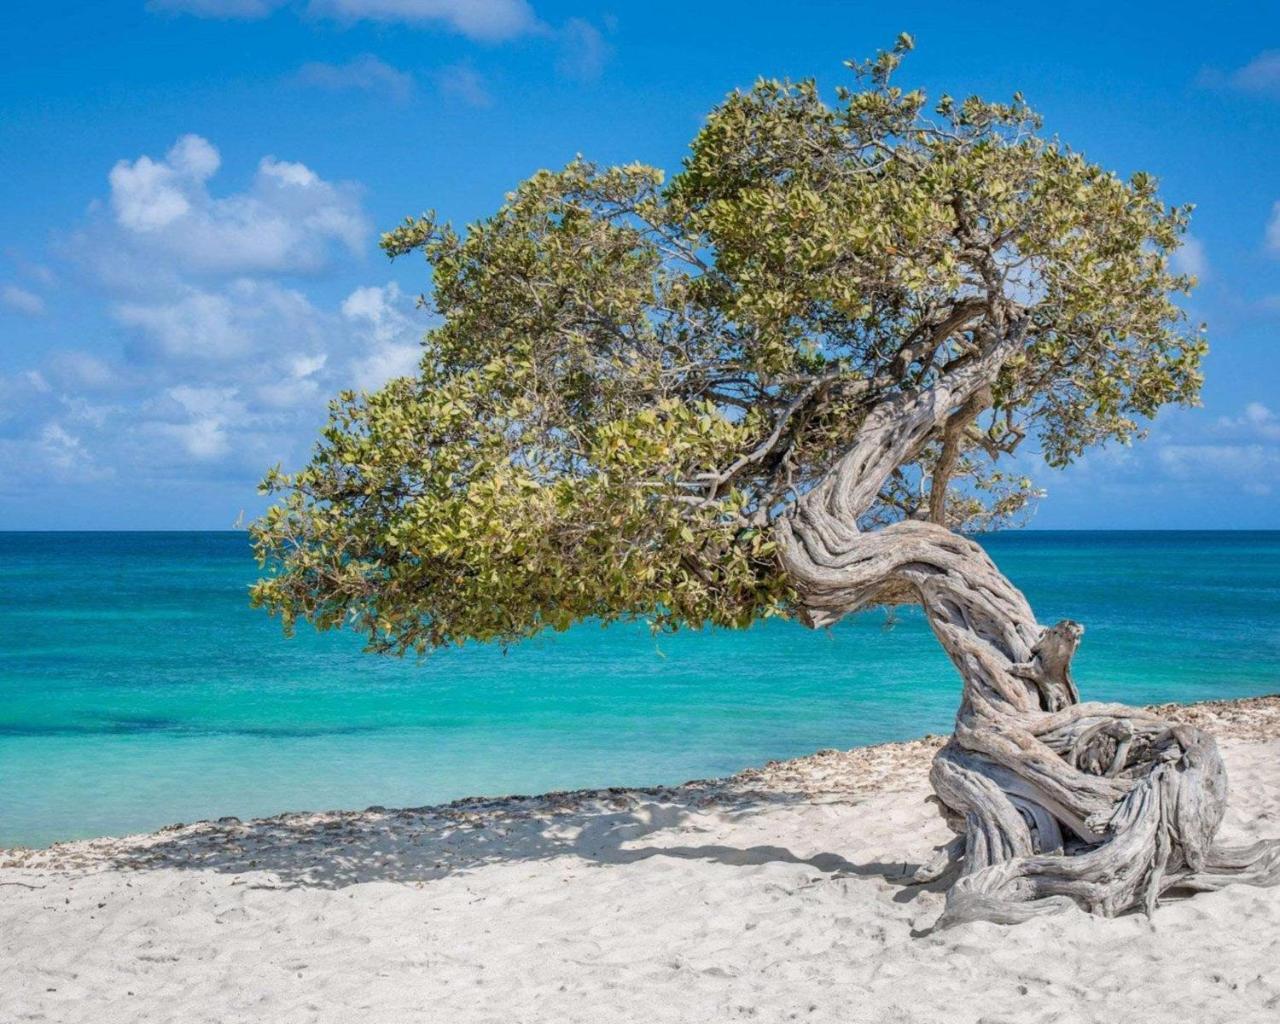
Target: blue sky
192, 192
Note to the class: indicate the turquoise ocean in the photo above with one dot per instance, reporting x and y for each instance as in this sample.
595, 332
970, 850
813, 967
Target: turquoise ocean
137, 687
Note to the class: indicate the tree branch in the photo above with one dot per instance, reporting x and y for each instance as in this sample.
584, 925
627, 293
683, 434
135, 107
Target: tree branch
952, 434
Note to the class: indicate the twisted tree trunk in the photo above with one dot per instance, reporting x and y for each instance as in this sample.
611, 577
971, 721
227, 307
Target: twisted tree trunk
1058, 801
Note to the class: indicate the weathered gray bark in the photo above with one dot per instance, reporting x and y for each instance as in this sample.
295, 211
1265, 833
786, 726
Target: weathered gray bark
1058, 801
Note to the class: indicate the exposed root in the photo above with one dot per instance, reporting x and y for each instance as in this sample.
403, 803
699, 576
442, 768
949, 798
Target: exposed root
1160, 837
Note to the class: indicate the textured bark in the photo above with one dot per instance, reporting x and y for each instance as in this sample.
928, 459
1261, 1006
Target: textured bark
1057, 802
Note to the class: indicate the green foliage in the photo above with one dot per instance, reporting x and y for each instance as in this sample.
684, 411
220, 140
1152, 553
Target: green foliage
631, 379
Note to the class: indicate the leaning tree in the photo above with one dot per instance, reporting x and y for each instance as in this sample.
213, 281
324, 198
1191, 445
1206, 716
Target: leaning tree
786, 382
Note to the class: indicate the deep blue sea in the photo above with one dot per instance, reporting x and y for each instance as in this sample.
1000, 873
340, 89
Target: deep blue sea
137, 687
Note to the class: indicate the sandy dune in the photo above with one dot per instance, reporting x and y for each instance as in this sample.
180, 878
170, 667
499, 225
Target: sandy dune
779, 894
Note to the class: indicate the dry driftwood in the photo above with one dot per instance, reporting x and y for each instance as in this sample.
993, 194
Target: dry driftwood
1059, 802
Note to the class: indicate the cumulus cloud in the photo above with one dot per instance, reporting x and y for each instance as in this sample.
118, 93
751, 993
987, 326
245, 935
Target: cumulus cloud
21, 301
365, 73
197, 323
240, 376
209, 413
212, 365
296, 383
238, 319
387, 337
289, 220
148, 195
488, 20
233, 381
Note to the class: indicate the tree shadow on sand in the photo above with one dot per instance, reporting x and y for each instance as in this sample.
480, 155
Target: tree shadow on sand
332, 850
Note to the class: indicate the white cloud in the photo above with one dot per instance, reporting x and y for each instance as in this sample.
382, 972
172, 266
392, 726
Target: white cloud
1261, 76
227, 380
224, 369
1189, 258
288, 393
21, 301
389, 338
209, 412
1254, 468
288, 221
365, 73
488, 20
1273, 229
204, 438
81, 371
583, 51
384, 364
149, 195
66, 455
463, 82
1255, 421
245, 317
296, 385
198, 323
1190, 458
369, 304
1238, 453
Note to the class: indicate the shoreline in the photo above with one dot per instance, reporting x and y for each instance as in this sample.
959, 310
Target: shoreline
784, 892
830, 773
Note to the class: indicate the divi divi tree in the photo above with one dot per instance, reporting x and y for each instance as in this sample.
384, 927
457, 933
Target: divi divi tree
786, 382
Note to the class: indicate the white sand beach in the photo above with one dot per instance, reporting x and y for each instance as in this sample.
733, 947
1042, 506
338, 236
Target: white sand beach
779, 894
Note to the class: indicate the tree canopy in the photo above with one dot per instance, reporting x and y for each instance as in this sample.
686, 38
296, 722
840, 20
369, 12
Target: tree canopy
633, 378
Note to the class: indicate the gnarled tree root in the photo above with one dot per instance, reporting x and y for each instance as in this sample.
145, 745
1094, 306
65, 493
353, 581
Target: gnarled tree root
1018, 864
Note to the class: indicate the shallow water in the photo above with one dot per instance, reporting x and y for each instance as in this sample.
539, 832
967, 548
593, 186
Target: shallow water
137, 687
